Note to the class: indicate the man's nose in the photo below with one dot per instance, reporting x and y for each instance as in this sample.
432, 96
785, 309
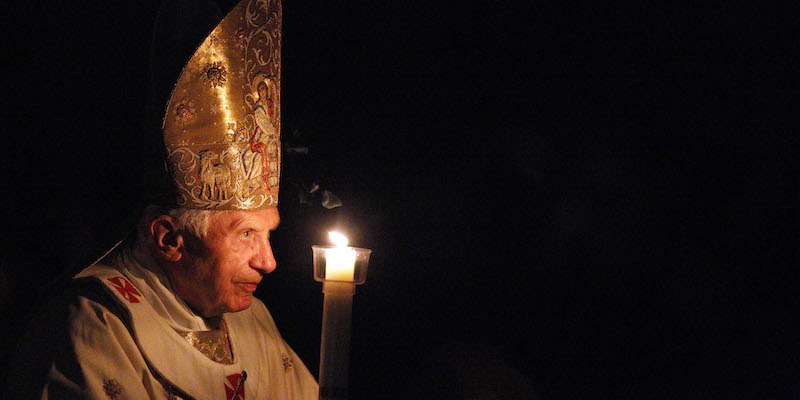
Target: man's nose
264, 260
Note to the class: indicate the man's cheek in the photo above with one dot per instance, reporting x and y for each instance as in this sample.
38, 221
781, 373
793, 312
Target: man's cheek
235, 246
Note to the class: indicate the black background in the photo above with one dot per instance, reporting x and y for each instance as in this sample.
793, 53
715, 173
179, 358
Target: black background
602, 197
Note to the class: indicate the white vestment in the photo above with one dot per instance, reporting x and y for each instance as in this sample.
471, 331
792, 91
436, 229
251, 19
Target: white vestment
142, 353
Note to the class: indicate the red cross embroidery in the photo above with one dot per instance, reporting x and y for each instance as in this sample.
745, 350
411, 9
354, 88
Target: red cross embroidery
125, 288
234, 387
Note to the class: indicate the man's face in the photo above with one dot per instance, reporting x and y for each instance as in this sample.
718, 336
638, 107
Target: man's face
222, 275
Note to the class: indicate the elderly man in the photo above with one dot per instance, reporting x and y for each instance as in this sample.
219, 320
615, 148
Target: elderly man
170, 312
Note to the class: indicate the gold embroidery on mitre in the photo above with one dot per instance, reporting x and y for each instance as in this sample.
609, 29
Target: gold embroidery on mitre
184, 111
223, 135
215, 74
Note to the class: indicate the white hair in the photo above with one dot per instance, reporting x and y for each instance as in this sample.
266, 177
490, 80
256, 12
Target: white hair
195, 221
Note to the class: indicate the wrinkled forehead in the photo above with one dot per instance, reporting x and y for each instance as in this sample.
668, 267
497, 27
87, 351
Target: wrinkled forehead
265, 219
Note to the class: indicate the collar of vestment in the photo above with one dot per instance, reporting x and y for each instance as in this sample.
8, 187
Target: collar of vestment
160, 321
148, 278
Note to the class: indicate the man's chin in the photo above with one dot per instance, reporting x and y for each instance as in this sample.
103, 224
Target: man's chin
241, 303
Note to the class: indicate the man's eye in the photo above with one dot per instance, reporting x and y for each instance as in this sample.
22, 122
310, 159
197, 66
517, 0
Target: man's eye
246, 234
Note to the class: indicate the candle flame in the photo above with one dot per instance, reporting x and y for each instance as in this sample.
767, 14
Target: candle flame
338, 239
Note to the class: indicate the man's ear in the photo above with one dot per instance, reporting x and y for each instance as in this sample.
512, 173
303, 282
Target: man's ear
167, 238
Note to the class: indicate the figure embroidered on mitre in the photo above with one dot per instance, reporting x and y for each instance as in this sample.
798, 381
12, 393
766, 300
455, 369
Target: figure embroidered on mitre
261, 158
220, 173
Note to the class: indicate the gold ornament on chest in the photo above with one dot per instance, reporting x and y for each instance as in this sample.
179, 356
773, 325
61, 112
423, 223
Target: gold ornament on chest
214, 344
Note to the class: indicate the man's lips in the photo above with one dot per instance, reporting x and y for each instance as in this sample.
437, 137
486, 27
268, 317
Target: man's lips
248, 286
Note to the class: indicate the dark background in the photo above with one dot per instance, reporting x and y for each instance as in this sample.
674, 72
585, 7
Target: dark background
603, 198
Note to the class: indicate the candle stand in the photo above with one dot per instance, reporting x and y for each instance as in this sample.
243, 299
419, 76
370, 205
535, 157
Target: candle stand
338, 289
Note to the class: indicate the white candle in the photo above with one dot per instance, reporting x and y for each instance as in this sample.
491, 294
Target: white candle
335, 267
340, 261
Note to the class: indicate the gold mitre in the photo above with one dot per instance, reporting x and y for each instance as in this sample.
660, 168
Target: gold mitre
222, 122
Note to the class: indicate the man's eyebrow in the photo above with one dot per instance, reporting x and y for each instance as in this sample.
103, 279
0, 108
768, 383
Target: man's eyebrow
235, 224
244, 220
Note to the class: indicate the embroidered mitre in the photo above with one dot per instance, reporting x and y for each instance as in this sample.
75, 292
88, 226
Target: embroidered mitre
221, 126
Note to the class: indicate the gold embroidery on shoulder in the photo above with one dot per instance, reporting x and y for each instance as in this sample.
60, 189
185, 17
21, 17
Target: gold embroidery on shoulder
112, 388
287, 362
